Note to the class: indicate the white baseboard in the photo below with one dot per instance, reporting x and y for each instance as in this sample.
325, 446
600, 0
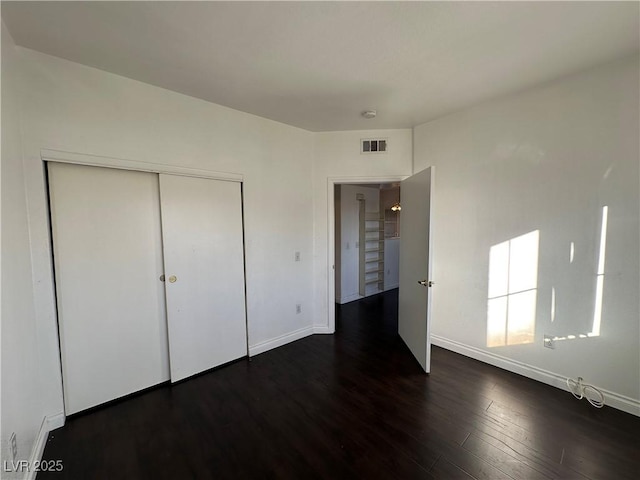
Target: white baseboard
55, 421
322, 329
615, 400
349, 298
279, 341
50, 422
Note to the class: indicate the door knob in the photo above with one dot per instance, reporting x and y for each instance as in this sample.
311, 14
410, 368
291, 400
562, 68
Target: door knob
173, 279
162, 277
426, 283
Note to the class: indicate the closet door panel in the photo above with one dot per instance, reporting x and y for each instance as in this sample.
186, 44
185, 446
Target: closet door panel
204, 254
108, 259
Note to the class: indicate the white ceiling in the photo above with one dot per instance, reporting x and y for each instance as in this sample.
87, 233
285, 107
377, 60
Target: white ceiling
317, 65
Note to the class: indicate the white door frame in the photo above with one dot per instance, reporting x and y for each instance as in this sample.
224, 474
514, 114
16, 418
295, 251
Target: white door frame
331, 236
48, 155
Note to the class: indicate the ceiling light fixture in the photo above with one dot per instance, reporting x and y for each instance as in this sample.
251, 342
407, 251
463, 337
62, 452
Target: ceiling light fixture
396, 206
369, 114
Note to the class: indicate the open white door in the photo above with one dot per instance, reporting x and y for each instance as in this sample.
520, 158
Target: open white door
204, 271
414, 308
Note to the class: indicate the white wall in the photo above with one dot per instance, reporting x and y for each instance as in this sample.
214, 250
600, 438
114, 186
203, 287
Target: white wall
337, 241
22, 411
348, 270
391, 263
74, 108
388, 198
337, 156
547, 159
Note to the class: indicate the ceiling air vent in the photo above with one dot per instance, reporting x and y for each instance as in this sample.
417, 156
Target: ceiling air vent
373, 145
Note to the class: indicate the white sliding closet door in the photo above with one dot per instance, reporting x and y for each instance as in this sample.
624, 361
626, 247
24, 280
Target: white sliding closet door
204, 266
108, 260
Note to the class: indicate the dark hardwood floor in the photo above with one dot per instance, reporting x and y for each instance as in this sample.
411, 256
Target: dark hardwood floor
350, 405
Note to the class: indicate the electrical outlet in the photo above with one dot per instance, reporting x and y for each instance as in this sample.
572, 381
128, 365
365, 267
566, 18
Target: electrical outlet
298, 308
14, 446
549, 342
297, 256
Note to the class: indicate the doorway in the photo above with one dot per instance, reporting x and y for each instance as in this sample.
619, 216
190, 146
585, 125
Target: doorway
415, 282
367, 239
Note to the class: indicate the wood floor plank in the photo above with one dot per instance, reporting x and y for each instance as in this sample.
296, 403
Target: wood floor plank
502, 460
530, 457
445, 470
478, 468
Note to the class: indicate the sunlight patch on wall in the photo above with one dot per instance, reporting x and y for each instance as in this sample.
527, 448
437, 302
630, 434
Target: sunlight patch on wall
572, 252
513, 283
599, 286
597, 309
